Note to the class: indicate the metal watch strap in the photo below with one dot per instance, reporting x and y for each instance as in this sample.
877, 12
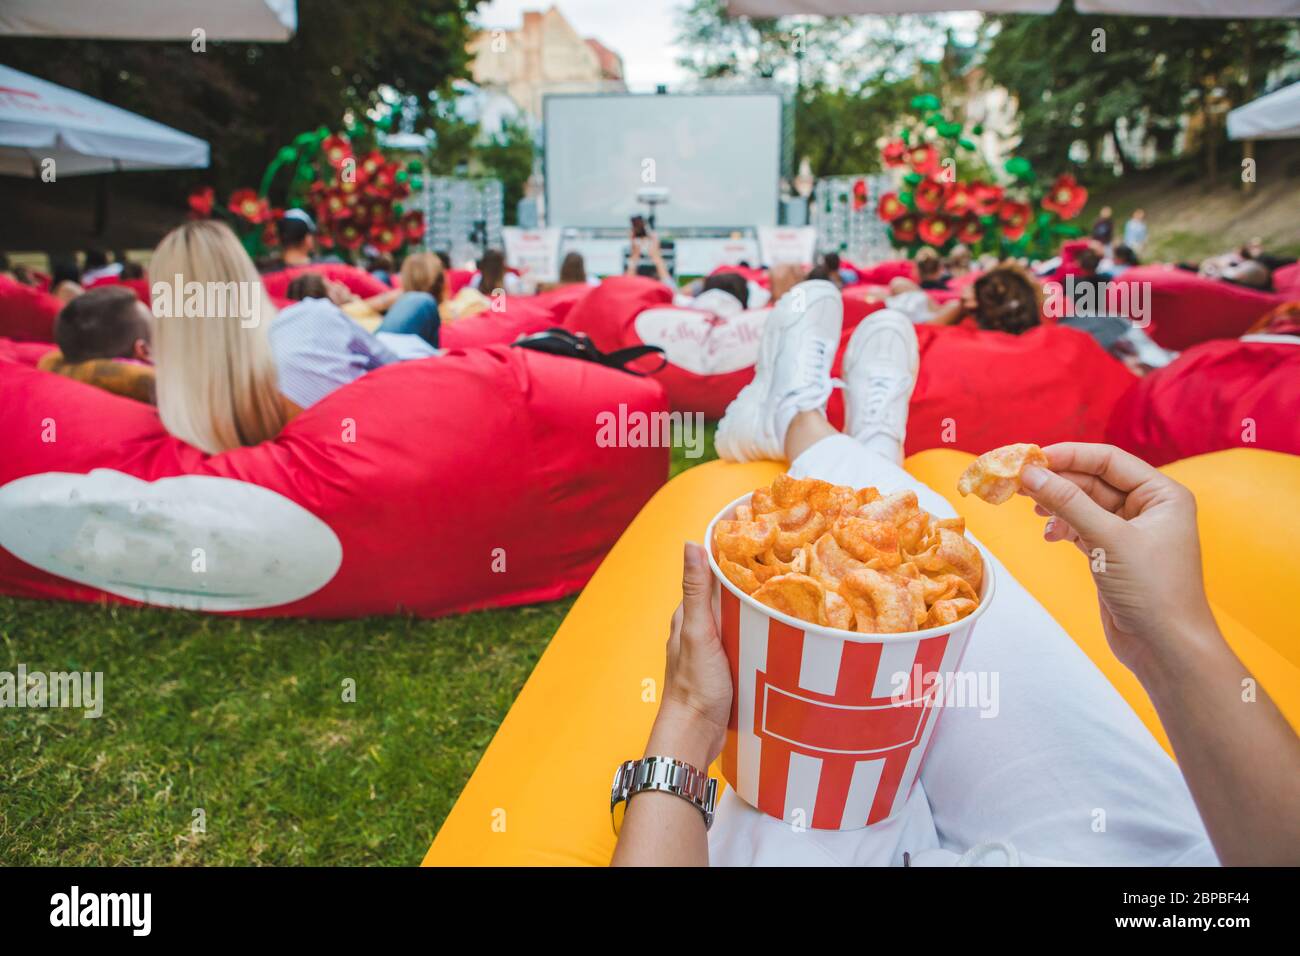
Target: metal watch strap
666, 775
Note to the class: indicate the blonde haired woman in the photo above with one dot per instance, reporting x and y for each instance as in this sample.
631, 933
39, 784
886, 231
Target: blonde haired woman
216, 376
414, 308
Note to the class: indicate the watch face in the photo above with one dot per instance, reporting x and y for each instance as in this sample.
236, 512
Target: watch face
617, 812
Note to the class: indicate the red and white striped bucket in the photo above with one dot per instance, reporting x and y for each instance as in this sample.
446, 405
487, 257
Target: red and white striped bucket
818, 736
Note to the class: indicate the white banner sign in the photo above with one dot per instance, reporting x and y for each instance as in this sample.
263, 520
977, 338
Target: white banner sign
782, 244
534, 252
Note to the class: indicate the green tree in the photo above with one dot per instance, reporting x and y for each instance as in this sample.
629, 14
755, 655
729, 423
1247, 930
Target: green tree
508, 156
246, 99
1079, 79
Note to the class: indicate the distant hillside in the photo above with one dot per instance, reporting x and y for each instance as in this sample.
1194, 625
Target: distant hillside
1189, 218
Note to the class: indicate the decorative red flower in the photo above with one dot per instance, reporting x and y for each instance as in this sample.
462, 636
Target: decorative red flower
1015, 218
894, 153
935, 231
337, 149
201, 200
930, 194
372, 164
247, 204
985, 198
890, 207
970, 231
386, 237
382, 181
904, 228
859, 194
351, 236
337, 204
924, 159
960, 200
413, 225
1066, 198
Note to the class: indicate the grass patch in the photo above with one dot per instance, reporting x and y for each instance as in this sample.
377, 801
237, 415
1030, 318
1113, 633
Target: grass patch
245, 720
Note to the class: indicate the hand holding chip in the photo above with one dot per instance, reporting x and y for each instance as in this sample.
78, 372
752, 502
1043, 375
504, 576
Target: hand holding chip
1138, 529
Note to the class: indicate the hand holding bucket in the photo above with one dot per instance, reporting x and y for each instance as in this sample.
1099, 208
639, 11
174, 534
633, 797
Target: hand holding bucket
828, 728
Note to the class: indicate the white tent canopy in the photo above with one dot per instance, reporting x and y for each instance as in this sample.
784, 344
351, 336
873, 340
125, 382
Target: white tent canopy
40, 120
1151, 8
1274, 116
273, 20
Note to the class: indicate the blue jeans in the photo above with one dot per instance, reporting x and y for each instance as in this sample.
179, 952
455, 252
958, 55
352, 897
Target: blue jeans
414, 313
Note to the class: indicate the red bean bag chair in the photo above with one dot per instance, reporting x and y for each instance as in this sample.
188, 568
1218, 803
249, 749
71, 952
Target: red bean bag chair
882, 272
1186, 309
710, 357
139, 286
26, 313
457, 279
522, 315
977, 390
1286, 281
474, 479
1229, 393
359, 281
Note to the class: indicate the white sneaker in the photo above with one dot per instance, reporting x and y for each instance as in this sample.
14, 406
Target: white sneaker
792, 374
879, 374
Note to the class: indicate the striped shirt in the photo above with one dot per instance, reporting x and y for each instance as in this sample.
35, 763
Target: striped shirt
318, 349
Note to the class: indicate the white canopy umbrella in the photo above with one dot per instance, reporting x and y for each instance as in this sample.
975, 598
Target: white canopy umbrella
1274, 116
273, 20
40, 120
1152, 8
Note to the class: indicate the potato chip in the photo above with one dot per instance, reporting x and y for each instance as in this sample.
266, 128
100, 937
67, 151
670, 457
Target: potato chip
995, 475
950, 553
948, 611
795, 594
829, 563
868, 540
745, 539
882, 603
850, 559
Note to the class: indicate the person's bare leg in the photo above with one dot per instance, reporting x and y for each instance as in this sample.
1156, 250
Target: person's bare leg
806, 429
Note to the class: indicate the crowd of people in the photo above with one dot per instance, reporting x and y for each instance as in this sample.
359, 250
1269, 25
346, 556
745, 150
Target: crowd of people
217, 388
223, 383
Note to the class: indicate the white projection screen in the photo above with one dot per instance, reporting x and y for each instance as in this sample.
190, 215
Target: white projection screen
718, 155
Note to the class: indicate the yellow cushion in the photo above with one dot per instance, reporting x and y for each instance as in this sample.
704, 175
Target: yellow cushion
540, 794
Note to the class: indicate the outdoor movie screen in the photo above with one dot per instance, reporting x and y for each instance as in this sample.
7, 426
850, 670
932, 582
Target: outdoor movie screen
718, 155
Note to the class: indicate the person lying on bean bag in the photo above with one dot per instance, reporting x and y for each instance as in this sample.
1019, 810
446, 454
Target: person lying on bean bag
1005, 791
1226, 393
103, 340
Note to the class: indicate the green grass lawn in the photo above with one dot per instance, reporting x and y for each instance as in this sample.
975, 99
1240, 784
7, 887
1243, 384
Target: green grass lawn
245, 720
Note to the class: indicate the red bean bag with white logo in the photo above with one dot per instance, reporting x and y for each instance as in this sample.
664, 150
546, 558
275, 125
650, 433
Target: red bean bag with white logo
521, 315
26, 313
978, 390
1186, 309
1229, 393
710, 357
359, 281
474, 479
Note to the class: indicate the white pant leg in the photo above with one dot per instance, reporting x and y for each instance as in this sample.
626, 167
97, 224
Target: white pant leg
1063, 768
745, 836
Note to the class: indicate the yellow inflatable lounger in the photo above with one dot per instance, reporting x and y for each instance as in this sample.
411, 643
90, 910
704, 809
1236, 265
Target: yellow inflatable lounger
540, 794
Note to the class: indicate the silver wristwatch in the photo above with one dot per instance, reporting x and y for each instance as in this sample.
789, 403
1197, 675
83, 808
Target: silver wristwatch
667, 775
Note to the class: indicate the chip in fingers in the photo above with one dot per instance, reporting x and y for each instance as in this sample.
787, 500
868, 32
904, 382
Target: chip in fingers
995, 475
